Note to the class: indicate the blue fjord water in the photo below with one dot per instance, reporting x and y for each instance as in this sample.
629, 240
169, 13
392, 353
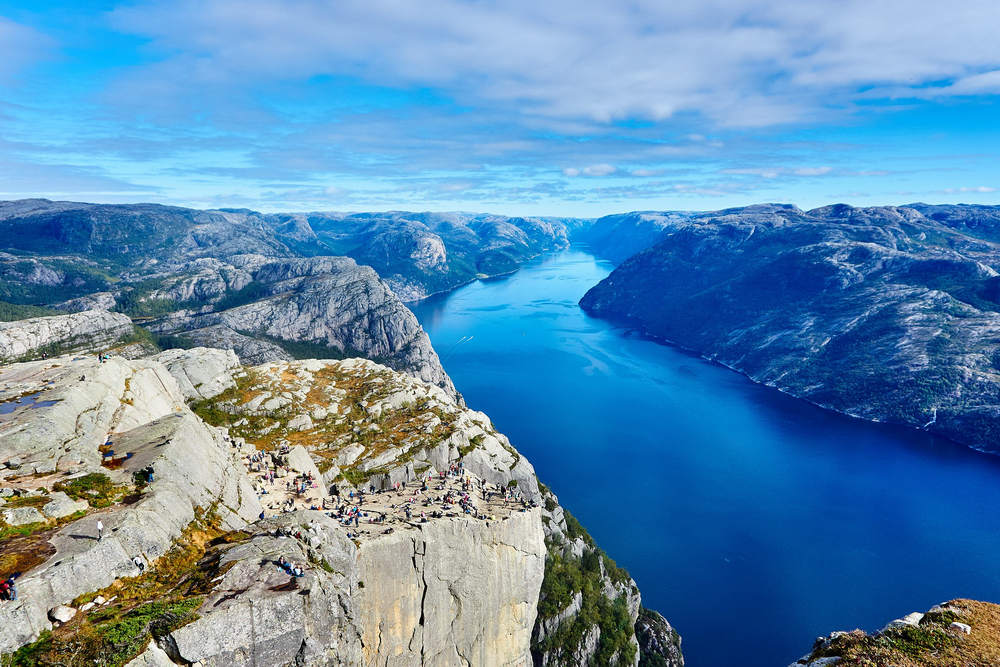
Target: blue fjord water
753, 521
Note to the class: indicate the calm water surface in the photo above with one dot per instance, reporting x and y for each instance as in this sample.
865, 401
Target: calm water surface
753, 521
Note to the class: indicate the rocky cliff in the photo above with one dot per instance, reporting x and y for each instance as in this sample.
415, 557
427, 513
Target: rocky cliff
618, 237
959, 632
326, 307
423, 536
86, 331
881, 313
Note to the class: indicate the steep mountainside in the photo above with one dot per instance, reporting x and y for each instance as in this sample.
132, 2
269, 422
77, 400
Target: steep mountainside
326, 307
883, 313
422, 536
419, 254
618, 237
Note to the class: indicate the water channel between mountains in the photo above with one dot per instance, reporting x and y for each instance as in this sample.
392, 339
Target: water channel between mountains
753, 521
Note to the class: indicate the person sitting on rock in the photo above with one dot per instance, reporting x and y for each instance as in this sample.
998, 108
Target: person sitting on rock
139, 564
11, 588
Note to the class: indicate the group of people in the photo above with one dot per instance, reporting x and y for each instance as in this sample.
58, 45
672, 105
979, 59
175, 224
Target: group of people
290, 567
8, 589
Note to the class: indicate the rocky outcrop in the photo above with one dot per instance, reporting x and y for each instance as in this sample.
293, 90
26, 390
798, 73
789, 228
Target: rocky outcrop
201, 373
259, 615
331, 304
959, 632
659, 643
590, 610
880, 313
87, 331
95, 301
142, 408
449, 563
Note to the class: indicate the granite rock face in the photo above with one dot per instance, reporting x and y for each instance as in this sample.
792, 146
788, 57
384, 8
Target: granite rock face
882, 313
201, 373
456, 592
140, 405
442, 589
86, 331
330, 303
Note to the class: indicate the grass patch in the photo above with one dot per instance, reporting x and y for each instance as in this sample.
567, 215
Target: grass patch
149, 606
96, 488
930, 644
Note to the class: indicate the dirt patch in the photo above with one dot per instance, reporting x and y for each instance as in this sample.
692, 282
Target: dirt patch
20, 554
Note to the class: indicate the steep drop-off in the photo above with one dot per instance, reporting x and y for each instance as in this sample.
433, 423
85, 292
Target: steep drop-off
422, 535
881, 313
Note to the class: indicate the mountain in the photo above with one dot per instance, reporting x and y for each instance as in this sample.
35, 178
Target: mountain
209, 277
618, 237
886, 313
420, 254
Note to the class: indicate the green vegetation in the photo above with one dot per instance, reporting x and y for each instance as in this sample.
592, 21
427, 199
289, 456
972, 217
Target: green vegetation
149, 606
931, 643
565, 576
10, 312
253, 291
96, 488
141, 336
175, 342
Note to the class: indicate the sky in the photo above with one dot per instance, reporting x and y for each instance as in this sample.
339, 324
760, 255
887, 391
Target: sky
574, 108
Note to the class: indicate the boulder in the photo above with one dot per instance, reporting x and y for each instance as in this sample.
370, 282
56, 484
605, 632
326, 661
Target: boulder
61, 505
300, 423
153, 656
910, 620
62, 614
20, 516
961, 627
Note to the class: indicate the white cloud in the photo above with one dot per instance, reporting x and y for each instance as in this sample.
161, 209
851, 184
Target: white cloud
597, 170
979, 190
739, 62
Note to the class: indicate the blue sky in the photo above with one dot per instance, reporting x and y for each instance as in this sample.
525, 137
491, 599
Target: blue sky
579, 107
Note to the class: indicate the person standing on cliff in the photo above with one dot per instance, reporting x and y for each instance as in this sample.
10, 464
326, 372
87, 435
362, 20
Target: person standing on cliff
100, 530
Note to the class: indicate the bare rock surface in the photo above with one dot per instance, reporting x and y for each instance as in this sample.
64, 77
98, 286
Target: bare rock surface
330, 303
201, 373
427, 545
86, 331
140, 406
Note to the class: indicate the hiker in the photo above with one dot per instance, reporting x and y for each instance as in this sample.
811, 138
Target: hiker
100, 530
139, 564
11, 588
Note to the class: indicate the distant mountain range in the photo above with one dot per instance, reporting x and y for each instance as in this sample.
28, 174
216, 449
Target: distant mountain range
269, 286
886, 313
